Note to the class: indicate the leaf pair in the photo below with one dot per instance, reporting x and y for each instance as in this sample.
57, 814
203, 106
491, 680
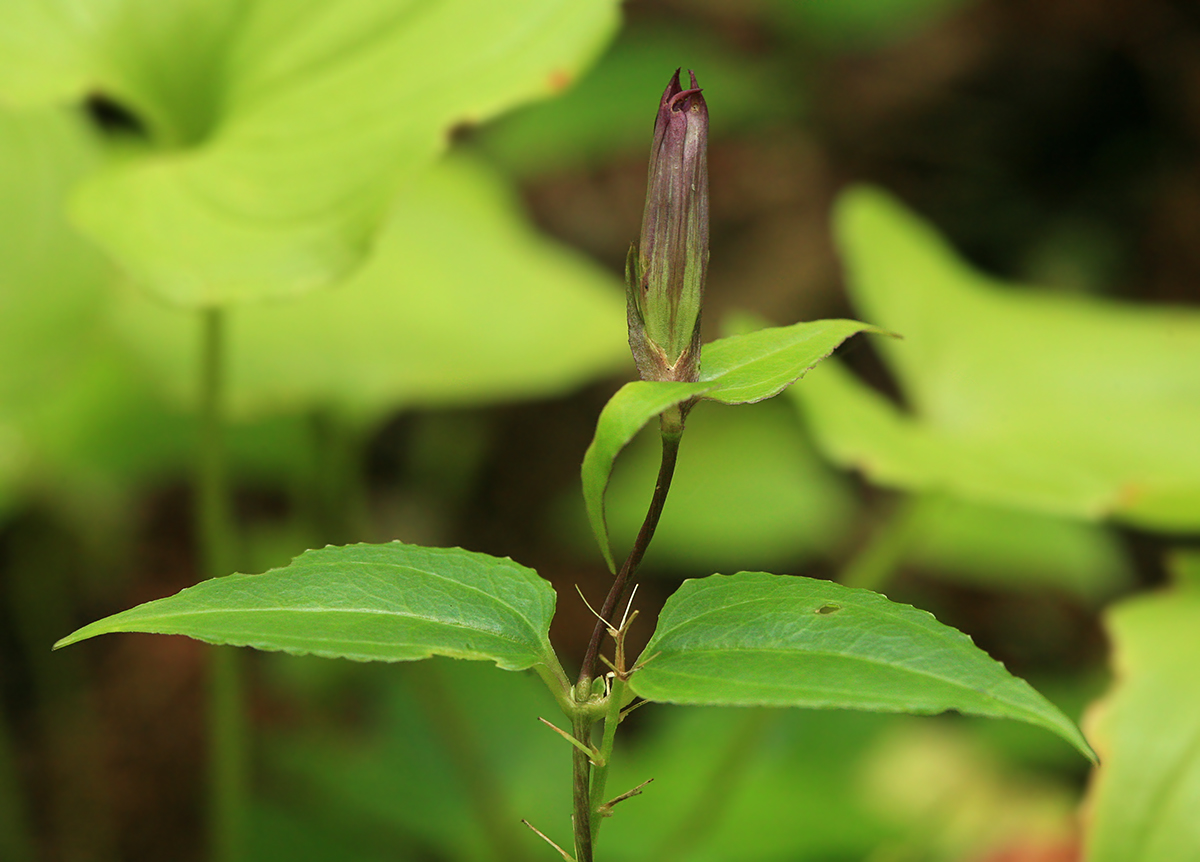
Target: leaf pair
746, 639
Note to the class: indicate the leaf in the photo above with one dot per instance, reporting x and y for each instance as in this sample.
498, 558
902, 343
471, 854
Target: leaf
748, 785
281, 130
1143, 798
1065, 405
740, 369
392, 602
1015, 549
423, 322
401, 769
605, 113
859, 24
52, 282
755, 639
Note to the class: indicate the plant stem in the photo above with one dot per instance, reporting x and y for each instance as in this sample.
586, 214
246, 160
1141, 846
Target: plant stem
874, 565
585, 817
226, 714
620, 588
581, 806
600, 774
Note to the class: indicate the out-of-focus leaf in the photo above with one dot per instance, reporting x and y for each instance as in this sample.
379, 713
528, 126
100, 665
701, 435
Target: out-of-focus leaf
52, 283
43, 52
748, 491
279, 833
952, 798
392, 602
1144, 796
745, 785
819, 644
460, 301
1059, 404
447, 740
856, 24
281, 129
1015, 549
607, 112
741, 369
1184, 564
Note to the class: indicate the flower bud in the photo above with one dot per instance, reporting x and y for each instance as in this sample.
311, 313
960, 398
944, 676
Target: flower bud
665, 271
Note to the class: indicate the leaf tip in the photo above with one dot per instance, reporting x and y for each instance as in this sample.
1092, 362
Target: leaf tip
73, 637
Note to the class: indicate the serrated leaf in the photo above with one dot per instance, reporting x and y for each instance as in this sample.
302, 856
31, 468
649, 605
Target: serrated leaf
756, 639
392, 602
1144, 795
1061, 404
740, 369
281, 130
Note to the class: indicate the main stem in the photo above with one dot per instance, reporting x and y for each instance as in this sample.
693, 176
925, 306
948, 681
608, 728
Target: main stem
227, 731
584, 806
620, 588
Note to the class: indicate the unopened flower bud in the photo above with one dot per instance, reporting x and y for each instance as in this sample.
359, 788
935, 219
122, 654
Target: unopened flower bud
665, 271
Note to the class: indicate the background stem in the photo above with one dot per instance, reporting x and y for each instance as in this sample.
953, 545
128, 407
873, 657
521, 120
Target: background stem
875, 564
16, 842
730, 767
226, 712
484, 791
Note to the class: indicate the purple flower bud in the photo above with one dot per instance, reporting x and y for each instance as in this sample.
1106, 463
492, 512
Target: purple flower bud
666, 269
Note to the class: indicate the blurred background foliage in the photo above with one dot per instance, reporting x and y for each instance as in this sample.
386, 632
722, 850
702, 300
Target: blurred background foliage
420, 225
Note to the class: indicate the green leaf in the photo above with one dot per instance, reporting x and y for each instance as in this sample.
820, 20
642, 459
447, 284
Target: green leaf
1015, 549
758, 365
740, 369
281, 130
422, 322
392, 602
755, 639
52, 282
860, 24
1144, 795
1061, 404
779, 795
605, 114
429, 737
